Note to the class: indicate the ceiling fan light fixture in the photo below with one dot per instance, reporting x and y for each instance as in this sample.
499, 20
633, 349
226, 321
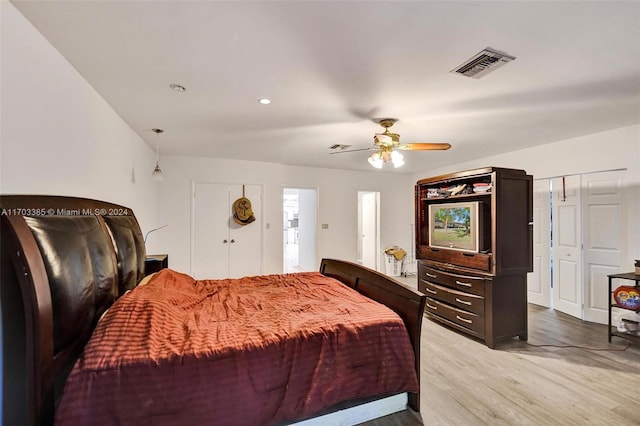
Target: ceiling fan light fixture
376, 160
382, 139
397, 159
157, 172
387, 144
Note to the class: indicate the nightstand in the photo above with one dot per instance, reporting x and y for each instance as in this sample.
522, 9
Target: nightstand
155, 262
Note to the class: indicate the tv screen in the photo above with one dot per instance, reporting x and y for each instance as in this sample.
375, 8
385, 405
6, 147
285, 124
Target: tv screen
454, 226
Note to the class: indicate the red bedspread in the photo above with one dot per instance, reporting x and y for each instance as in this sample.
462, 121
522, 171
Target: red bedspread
251, 351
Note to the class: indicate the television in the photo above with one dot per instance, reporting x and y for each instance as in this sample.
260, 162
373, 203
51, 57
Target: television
457, 226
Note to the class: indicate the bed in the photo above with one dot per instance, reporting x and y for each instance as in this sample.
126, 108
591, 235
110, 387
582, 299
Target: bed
66, 262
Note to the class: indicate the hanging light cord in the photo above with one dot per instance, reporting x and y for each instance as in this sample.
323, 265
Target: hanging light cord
157, 173
157, 132
157, 148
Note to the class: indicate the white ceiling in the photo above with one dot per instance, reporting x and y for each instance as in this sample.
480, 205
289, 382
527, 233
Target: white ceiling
332, 67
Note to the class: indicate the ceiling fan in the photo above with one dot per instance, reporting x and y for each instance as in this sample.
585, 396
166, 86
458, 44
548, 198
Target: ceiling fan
386, 145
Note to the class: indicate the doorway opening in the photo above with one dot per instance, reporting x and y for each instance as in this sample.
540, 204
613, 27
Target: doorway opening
299, 216
369, 229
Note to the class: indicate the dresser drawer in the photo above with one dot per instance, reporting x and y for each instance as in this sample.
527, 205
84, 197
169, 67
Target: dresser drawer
460, 299
474, 285
481, 261
458, 316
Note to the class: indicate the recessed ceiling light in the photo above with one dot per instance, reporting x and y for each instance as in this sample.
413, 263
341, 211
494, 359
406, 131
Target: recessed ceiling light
178, 88
264, 101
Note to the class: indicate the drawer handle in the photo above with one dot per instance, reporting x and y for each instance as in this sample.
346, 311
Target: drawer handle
431, 291
464, 302
431, 275
432, 307
464, 284
464, 319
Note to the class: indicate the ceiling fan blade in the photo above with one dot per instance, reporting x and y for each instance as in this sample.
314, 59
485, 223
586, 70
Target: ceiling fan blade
355, 150
424, 146
365, 114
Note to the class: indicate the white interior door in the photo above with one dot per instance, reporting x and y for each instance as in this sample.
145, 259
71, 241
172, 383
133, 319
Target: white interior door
539, 281
245, 241
221, 248
210, 231
567, 242
368, 226
603, 207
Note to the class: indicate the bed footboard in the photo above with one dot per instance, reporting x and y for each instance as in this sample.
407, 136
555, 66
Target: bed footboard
407, 303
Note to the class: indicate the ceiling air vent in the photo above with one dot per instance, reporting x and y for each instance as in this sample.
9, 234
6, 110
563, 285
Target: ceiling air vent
483, 63
339, 147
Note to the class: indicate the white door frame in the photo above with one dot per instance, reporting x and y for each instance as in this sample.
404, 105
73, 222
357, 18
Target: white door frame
315, 227
604, 213
308, 253
539, 281
376, 228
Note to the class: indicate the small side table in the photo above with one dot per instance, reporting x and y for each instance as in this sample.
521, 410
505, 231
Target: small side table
626, 276
155, 262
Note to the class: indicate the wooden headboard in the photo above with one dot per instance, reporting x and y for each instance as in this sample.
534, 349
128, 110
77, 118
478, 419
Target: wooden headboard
64, 261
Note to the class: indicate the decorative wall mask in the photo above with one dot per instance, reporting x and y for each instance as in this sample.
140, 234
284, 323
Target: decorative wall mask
242, 212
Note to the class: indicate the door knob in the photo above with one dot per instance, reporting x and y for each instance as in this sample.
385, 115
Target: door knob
225, 241
233, 241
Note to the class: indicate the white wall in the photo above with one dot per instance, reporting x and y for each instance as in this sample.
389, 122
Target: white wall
307, 229
58, 135
610, 150
337, 204
338, 189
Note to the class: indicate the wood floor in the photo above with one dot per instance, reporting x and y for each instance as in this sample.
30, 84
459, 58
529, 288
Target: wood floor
465, 383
